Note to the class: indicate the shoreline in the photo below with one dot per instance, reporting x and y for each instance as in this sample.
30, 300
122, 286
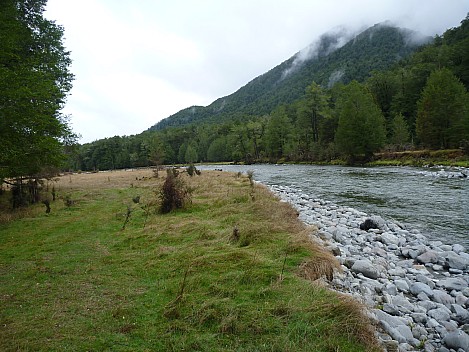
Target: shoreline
416, 290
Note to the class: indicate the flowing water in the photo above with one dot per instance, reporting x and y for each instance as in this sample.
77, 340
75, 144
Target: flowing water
426, 199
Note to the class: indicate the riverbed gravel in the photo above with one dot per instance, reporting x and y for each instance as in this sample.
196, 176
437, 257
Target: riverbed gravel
416, 289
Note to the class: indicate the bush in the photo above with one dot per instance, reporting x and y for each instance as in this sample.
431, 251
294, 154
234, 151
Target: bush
174, 194
191, 170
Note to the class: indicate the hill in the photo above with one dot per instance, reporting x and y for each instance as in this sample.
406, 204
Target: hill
335, 57
257, 124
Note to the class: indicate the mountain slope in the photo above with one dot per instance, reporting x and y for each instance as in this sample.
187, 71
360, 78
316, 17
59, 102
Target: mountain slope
326, 62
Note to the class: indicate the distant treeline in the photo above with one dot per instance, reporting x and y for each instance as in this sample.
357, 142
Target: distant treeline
422, 102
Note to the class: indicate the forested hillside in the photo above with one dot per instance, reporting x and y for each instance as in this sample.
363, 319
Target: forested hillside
325, 62
419, 102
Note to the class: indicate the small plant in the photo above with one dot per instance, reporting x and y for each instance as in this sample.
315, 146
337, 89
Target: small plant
146, 210
68, 201
136, 199
191, 170
127, 216
283, 266
235, 234
174, 194
250, 175
47, 204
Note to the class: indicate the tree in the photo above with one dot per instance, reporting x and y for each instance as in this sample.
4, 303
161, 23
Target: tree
400, 131
442, 111
311, 111
384, 86
361, 129
278, 133
156, 151
217, 150
190, 155
34, 83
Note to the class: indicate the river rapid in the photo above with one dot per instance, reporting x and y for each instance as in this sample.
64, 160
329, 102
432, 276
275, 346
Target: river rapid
433, 200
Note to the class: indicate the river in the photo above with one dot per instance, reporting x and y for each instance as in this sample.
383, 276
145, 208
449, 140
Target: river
429, 200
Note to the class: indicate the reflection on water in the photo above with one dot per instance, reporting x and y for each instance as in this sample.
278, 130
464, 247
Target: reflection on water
437, 206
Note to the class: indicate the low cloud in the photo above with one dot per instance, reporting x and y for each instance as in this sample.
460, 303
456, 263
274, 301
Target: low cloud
323, 46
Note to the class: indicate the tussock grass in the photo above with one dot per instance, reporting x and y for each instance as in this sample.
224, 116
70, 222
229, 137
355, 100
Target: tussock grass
75, 280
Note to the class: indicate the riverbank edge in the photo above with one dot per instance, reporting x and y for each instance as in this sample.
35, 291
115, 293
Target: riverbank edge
410, 300
415, 158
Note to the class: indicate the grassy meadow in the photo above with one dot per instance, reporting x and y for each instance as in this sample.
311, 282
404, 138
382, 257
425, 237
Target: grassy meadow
233, 271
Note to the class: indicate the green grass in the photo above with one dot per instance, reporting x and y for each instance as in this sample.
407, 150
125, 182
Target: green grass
74, 280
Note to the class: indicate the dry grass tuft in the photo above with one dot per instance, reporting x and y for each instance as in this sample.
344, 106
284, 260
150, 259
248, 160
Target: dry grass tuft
318, 267
355, 323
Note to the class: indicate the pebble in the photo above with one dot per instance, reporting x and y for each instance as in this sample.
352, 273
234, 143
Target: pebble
421, 286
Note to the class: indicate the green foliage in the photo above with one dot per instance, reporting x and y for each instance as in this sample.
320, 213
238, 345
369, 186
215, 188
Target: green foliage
190, 155
443, 111
218, 150
34, 82
400, 132
278, 134
361, 129
311, 112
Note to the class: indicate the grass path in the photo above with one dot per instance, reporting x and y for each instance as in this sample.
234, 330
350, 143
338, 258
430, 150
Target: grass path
74, 280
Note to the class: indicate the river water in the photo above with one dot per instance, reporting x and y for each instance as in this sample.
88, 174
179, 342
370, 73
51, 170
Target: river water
434, 201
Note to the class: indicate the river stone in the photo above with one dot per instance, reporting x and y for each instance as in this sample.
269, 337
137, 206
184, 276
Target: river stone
402, 301
391, 289
368, 224
389, 319
456, 261
453, 283
426, 280
432, 323
406, 332
402, 285
378, 220
417, 287
397, 272
419, 317
365, 267
415, 251
391, 309
461, 315
461, 299
446, 247
442, 297
457, 248
388, 238
429, 256
457, 340
439, 314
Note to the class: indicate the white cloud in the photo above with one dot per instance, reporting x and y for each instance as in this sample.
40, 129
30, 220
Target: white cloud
139, 61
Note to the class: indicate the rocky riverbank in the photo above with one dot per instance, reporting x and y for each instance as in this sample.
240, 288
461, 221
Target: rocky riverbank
417, 290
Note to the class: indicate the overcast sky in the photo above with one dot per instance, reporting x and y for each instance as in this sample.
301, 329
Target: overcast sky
139, 61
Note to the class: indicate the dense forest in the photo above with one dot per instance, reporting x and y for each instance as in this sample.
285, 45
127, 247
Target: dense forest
420, 101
